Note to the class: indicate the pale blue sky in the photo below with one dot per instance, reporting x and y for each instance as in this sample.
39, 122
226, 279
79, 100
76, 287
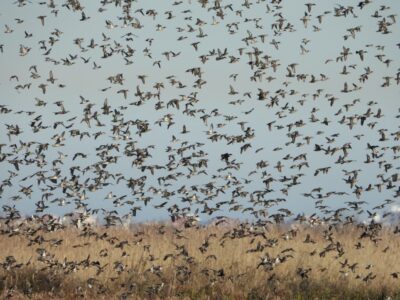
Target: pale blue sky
81, 79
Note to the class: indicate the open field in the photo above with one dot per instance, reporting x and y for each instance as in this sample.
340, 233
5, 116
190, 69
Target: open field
158, 261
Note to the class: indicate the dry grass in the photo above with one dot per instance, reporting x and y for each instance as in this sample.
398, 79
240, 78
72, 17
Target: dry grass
143, 268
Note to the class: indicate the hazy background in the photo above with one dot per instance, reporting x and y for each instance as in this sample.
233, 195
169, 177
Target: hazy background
81, 79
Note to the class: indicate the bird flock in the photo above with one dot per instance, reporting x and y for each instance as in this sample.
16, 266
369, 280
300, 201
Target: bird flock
158, 144
196, 109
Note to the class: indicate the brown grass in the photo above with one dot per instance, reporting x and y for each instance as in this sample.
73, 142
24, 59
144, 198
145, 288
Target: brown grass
190, 272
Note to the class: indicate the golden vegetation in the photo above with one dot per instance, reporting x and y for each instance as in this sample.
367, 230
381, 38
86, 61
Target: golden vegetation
158, 261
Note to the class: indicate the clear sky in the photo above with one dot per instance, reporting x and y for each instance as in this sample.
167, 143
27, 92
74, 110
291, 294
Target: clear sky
276, 29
